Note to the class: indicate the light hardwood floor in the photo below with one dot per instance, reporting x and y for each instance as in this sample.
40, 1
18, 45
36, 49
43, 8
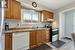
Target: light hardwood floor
67, 46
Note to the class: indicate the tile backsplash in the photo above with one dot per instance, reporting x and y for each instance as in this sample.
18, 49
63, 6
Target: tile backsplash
13, 23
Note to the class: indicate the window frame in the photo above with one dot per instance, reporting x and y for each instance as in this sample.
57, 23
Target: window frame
32, 21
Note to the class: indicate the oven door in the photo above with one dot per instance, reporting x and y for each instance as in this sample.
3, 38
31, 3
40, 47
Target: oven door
55, 34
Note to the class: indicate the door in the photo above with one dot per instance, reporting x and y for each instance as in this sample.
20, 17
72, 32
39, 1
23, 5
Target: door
68, 24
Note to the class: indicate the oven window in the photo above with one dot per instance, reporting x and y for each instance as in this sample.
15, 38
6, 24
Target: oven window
54, 32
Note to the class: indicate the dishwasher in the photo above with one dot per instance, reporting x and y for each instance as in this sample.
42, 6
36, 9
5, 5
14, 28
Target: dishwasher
20, 41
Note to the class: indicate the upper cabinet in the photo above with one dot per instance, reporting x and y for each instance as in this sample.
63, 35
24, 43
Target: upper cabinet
12, 9
17, 10
7, 8
46, 15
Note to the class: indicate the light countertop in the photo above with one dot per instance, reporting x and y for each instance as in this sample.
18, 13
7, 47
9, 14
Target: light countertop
25, 30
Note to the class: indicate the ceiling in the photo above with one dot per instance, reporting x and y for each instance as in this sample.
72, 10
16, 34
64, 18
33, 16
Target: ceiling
50, 4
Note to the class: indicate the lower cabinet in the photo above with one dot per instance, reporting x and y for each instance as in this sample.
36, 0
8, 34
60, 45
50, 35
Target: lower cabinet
32, 39
47, 36
8, 41
39, 37
26, 40
17, 41
43, 36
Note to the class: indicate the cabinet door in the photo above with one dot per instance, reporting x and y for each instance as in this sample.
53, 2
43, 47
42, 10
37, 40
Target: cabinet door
47, 35
17, 10
32, 39
47, 15
8, 41
13, 9
8, 8
39, 37
44, 14
43, 36
51, 15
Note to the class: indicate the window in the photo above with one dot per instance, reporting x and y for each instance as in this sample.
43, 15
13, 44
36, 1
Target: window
35, 16
30, 16
26, 17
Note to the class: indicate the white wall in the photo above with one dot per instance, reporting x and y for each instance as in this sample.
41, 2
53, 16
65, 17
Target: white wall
0, 26
61, 25
57, 11
58, 22
0, 18
74, 21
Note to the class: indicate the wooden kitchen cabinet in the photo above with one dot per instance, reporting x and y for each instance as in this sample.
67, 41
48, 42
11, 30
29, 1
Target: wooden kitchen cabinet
39, 37
46, 15
7, 9
17, 41
16, 10
26, 40
45, 36
8, 41
13, 9
33, 39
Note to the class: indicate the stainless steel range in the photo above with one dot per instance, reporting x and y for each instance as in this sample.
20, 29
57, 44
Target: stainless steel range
55, 35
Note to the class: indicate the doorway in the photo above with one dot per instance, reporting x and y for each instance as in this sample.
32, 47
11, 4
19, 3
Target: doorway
66, 23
